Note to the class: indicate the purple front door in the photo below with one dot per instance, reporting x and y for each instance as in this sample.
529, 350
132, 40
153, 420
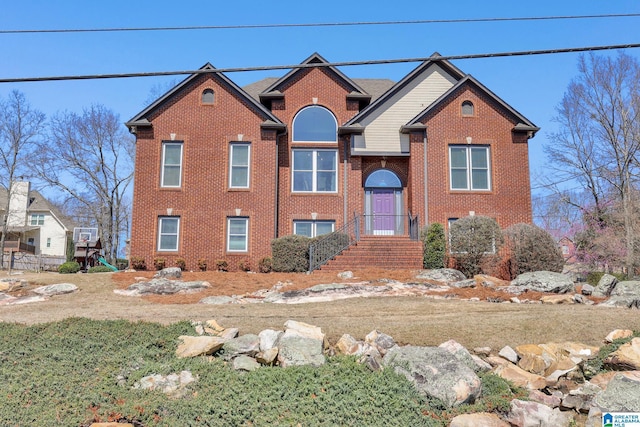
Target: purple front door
383, 212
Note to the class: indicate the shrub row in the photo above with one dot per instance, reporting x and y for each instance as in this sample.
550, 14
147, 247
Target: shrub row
476, 245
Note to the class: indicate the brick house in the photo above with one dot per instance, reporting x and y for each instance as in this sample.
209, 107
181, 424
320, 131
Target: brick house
222, 170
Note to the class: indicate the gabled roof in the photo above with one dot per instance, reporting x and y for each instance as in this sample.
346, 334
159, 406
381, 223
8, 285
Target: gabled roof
523, 124
140, 119
444, 64
38, 203
315, 58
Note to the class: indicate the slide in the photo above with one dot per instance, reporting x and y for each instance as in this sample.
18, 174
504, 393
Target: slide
104, 261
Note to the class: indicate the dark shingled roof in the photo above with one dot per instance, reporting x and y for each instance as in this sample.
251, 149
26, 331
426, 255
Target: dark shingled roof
374, 87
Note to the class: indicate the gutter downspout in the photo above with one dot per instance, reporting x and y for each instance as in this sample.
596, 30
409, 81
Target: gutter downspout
276, 213
345, 184
425, 170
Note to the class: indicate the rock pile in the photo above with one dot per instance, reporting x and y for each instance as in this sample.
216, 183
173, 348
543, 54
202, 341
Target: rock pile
554, 374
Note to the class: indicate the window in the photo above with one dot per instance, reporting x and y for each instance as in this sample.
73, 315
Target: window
208, 96
467, 108
168, 232
469, 167
315, 124
237, 234
37, 219
48, 242
171, 164
31, 241
239, 166
315, 171
313, 228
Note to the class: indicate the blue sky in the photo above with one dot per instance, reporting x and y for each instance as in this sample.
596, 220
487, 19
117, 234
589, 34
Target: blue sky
531, 84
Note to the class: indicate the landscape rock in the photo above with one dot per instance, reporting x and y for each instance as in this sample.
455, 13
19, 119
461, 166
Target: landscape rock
349, 345
558, 299
530, 414
301, 344
468, 283
446, 275
381, 341
509, 354
162, 286
218, 300
544, 281
345, 275
269, 339
247, 345
463, 355
617, 334
587, 289
169, 273
173, 385
626, 357
605, 285
625, 294
435, 373
552, 400
621, 395
481, 419
490, 281
196, 346
245, 363
267, 357
57, 289
520, 377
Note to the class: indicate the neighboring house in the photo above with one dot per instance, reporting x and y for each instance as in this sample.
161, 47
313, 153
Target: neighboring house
222, 170
568, 248
34, 225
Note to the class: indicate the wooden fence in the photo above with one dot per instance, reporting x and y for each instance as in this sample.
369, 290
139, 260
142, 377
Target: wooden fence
29, 262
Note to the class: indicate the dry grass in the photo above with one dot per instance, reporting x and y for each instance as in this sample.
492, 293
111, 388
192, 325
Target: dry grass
410, 320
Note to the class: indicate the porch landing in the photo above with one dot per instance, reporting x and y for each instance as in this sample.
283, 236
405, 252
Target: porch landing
390, 252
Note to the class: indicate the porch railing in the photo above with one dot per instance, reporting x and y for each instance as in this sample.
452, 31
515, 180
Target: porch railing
328, 246
18, 246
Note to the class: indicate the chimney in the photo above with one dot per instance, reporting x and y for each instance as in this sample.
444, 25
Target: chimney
18, 203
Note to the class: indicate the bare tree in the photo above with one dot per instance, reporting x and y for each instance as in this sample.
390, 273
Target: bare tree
599, 140
21, 126
89, 156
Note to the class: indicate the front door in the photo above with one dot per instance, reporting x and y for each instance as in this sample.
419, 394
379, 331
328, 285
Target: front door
383, 211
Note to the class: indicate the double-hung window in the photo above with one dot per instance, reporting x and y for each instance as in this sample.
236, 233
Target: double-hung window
315, 170
168, 233
237, 234
469, 167
240, 156
171, 164
313, 228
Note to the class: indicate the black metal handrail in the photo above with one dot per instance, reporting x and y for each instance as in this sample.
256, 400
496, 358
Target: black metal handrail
329, 245
414, 232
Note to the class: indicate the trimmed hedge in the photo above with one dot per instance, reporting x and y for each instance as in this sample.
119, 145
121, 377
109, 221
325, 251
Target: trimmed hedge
69, 267
290, 254
100, 269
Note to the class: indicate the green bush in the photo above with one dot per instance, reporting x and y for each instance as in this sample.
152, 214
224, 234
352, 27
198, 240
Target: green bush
530, 248
290, 253
69, 267
434, 246
100, 269
474, 244
593, 277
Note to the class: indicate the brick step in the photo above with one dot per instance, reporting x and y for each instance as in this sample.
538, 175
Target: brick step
390, 252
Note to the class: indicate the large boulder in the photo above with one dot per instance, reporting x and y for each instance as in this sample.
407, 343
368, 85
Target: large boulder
544, 281
169, 273
247, 345
446, 275
300, 344
626, 357
625, 294
196, 346
481, 419
435, 373
621, 395
529, 414
57, 289
605, 285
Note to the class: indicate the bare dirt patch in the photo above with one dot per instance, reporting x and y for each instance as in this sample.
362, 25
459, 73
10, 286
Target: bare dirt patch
417, 320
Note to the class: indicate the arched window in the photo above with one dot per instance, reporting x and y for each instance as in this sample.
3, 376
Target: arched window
207, 96
383, 178
467, 108
315, 124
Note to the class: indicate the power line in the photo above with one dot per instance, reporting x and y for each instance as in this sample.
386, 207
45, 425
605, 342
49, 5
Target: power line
319, 24
319, 65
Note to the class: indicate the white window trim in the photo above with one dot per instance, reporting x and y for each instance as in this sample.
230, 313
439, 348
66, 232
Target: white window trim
246, 234
314, 170
160, 234
37, 219
314, 223
166, 144
231, 150
469, 168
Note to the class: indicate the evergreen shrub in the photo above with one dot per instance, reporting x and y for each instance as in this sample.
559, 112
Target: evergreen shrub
434, 246
290, 253
69, 267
